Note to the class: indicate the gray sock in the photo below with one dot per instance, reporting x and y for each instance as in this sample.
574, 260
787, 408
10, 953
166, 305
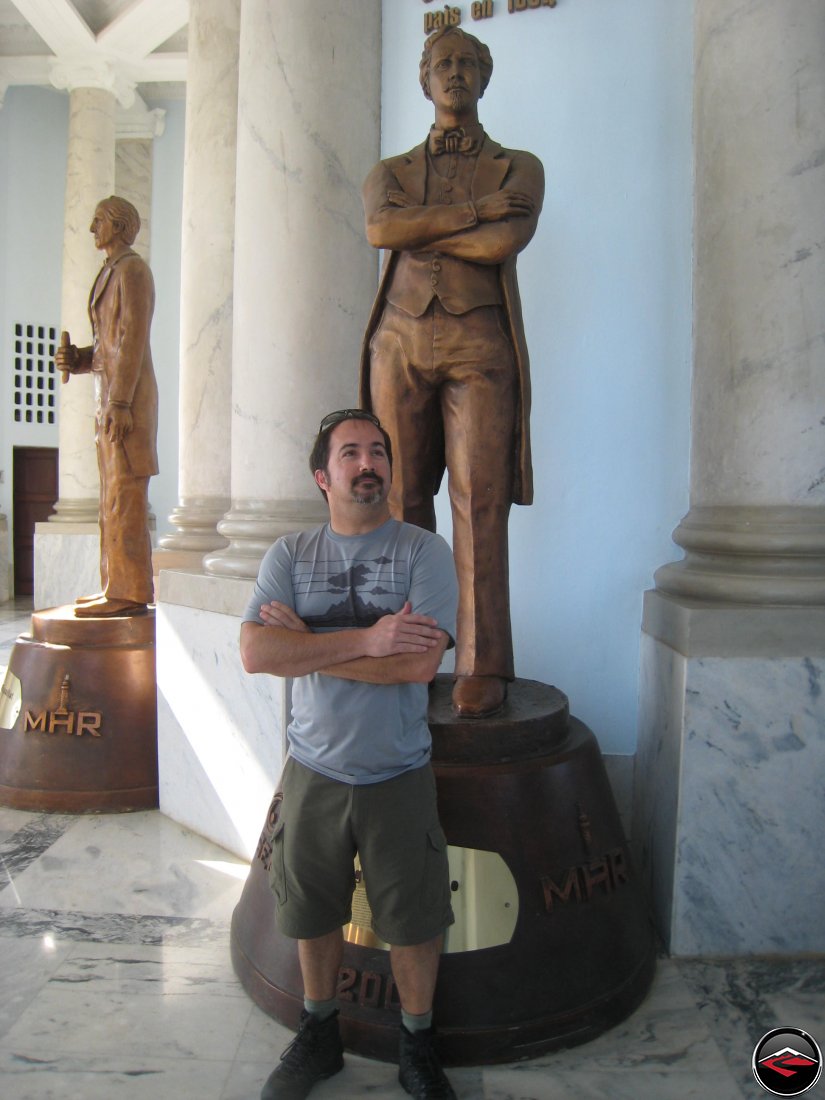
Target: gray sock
322, 1010
417, 1023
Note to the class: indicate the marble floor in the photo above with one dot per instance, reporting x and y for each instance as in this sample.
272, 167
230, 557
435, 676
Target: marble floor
116, 982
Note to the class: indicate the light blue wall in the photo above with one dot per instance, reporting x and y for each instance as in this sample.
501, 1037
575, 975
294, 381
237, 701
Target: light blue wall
601, 92
33, 125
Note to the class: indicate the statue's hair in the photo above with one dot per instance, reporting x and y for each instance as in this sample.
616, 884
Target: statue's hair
121, 211
485, 58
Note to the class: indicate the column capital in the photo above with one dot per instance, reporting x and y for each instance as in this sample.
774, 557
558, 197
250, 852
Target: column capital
138, 123
68, 74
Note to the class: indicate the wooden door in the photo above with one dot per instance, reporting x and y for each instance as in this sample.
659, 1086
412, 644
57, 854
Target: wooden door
35, 494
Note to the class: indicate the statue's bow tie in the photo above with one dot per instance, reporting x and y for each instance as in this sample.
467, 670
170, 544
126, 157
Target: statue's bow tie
453, 141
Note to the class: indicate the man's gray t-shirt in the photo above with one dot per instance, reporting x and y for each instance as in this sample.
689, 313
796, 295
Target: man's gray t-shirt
351, 731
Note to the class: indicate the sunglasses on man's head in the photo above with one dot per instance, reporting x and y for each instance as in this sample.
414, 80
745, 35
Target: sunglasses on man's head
331, 419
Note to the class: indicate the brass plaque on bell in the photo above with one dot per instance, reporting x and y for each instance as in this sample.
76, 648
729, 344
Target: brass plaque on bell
11, 699
484, 897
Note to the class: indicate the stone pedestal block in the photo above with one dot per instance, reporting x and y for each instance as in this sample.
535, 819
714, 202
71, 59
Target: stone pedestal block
728, 812
220, 731
66, 562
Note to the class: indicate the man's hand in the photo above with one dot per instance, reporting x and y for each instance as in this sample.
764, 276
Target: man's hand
402, 632
504, 204
117, 423
280, 614
398, 649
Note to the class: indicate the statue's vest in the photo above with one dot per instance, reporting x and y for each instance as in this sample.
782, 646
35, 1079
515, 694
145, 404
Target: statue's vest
421, 276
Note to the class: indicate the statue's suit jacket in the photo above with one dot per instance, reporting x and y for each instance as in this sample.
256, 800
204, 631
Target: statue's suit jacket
120, 309
397, 227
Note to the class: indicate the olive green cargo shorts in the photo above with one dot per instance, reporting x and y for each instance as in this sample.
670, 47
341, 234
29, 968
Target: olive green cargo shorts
394, 828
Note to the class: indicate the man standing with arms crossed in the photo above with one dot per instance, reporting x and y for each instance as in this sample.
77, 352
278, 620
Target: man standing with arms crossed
359, 612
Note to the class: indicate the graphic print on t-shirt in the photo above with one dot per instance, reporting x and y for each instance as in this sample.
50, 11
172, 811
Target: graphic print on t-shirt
349, 607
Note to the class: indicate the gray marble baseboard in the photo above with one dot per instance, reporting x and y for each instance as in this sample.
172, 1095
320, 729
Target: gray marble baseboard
729, 815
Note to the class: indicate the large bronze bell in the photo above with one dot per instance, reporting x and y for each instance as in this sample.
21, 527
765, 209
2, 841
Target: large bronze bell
78, 722
553, 943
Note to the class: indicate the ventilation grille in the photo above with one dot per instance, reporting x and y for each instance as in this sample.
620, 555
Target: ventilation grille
34, 379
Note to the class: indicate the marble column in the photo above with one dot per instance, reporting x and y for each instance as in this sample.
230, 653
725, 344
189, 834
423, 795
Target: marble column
304, 279
728, 802
207, 261
304, 276
90, 176
136, 130
67, 548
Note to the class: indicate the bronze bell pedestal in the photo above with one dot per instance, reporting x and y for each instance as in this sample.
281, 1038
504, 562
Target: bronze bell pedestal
526, 790
78, 722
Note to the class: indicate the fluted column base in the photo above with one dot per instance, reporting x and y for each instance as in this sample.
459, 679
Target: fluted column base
749, 555
68, 510
196, 521
253, 525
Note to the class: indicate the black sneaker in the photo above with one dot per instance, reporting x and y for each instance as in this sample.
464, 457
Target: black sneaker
419, 1070
314, 1054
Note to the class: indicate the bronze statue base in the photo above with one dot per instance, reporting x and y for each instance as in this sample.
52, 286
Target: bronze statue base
78, 721
530, 785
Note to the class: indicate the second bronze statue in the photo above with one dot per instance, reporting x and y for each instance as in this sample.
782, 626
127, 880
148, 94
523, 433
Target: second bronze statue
444, 363
121, 303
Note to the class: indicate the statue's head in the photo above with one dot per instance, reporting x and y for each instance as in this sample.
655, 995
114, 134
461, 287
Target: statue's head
123, 216
485, 58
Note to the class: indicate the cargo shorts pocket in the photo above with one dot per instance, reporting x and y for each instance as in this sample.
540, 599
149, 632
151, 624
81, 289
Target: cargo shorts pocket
436, 891
277, 868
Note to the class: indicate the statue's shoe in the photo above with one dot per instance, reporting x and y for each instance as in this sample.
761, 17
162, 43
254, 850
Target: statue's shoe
479, 696
105, 608
89, 599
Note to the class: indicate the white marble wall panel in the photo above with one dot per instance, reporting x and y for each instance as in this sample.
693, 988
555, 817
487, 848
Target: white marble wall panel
220, 731
657, 772
6, 584
750, 870
66, 562
730, 815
